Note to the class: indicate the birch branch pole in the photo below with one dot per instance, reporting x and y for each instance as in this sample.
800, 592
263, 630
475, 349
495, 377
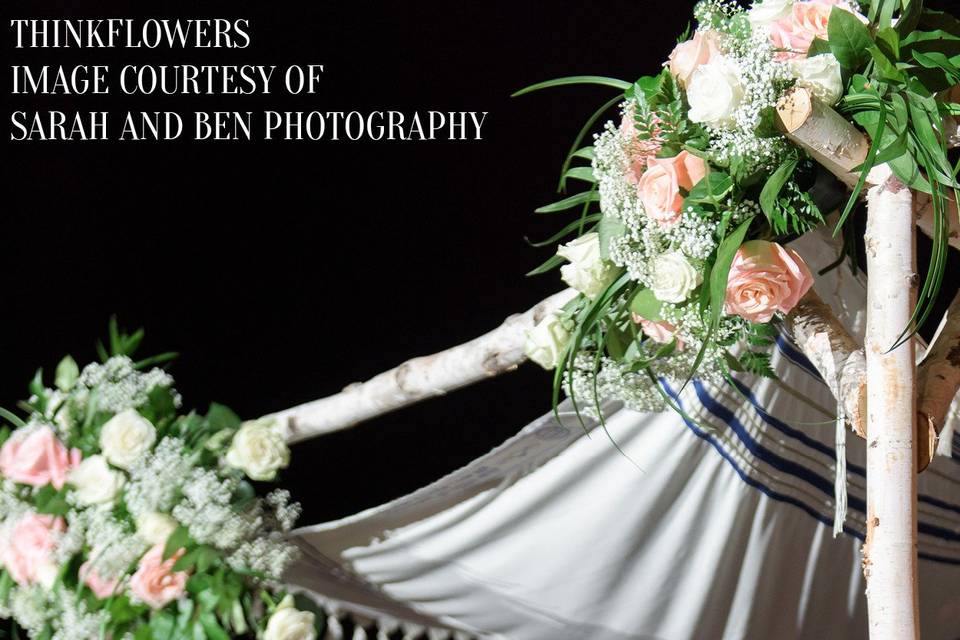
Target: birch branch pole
496, 352
939, 373
808, 320
890, 550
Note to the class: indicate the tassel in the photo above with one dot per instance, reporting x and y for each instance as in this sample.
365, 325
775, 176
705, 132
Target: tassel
840, 479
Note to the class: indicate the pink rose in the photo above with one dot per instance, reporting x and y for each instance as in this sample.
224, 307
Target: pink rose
660, 332
155, 582
660, 185
765, 278
807, 20
101, 587
28, 550
34, 456
689, 55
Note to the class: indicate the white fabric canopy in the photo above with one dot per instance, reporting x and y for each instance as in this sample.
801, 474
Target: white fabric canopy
724, 530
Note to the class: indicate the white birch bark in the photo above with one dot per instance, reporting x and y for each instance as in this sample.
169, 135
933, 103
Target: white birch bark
840, 147
840, 353
491, 354
890, 550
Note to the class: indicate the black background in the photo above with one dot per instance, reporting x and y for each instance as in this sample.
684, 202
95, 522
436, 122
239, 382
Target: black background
284, 270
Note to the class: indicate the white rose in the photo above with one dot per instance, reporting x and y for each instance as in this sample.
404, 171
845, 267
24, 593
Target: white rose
764, 13
715, 92
289, 623
587, 272
674, 278
155, 528
821, 75
47, 574
546, 341
126, 437
94, 482
259, 449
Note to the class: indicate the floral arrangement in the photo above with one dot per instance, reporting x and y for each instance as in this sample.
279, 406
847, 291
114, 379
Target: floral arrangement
120, 518
679, 252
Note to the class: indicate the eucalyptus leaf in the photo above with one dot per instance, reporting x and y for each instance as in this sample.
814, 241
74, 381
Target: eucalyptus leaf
645, 304
66, 374
609, 229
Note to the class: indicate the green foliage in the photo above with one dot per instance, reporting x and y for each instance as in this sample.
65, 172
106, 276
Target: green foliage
849, 39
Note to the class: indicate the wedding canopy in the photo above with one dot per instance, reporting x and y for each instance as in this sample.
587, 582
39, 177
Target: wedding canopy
719, 526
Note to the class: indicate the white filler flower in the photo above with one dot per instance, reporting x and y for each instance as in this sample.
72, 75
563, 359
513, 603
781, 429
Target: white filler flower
259, 449
762, 14
289, 623
715, 92
821, 75
587, 272
94, 482
674, 278
126, 437
546, 341
155, 528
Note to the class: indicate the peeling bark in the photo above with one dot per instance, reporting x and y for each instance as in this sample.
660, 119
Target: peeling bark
939, 379
890, 552
497, 352
813, 317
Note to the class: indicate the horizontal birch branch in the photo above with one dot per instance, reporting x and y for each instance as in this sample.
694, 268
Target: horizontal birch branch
496, 352
840, 354
836, 144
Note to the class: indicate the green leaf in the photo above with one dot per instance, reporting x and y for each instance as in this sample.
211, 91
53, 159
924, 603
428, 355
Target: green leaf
849, 39
567, 230
710, 190
551, 263
12, 418
584, 130
617, 342
222, 417
771, 190
212, 628
560, 82
609, 229
66, 374
570, 203
884, 68
646, 305
818, 47
586, 153
719, 274
179, 539
888, 40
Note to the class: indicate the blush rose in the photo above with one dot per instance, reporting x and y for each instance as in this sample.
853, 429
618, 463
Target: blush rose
764, 279
35, 456
155, 582
659, 187
26, 554
688, 56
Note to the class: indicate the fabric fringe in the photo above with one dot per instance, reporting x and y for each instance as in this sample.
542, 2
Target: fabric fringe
840, 478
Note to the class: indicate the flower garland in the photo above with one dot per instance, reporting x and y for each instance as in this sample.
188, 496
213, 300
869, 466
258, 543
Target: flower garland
683, 270
120, 518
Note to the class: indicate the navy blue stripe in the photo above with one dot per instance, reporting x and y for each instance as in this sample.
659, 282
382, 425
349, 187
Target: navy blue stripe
816, 515
783, 427
822, 447
794, 469
762, 453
